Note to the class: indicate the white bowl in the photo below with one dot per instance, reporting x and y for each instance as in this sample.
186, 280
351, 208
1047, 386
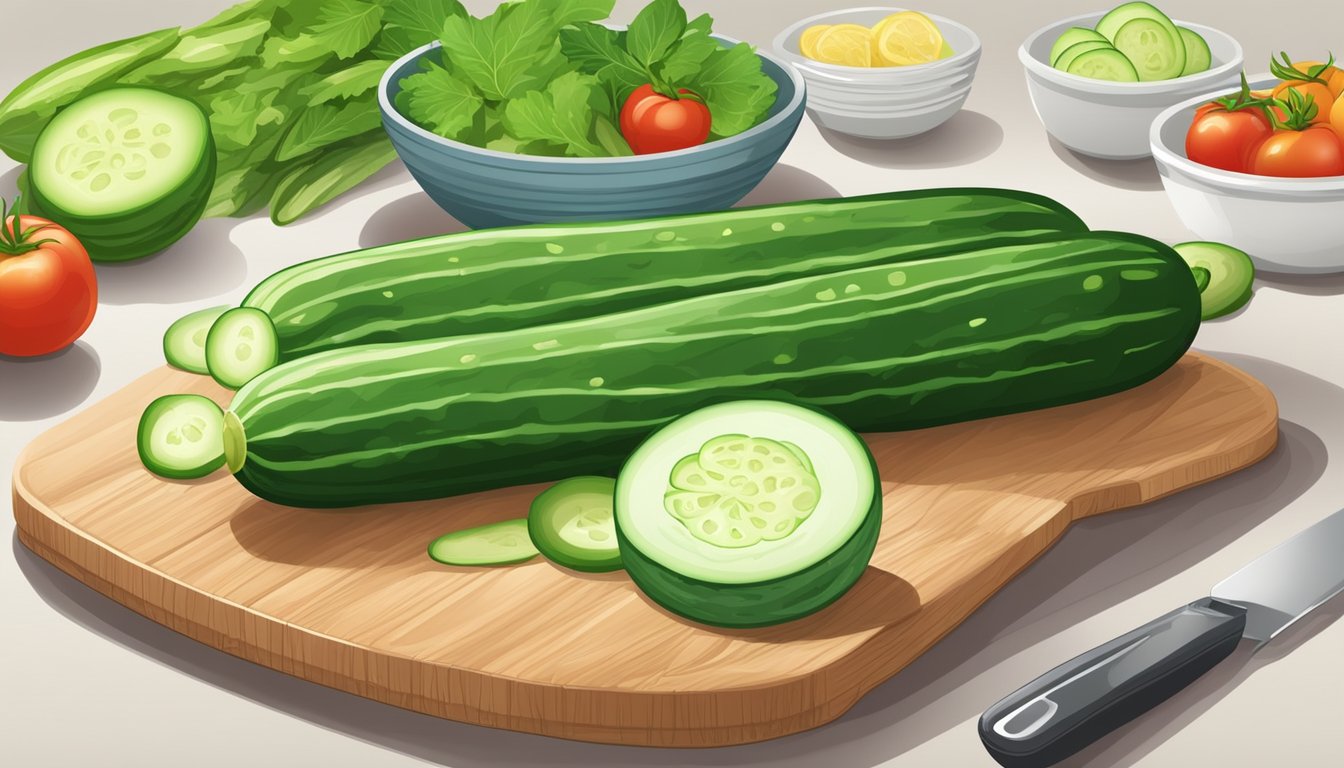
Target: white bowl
1286, 225
1111, 120
883, 102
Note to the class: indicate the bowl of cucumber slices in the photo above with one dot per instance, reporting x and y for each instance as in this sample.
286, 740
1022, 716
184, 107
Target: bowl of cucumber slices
1099, 80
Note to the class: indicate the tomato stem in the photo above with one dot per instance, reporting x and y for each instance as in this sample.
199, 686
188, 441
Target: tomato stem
14, 240
1299, 109
1287, 70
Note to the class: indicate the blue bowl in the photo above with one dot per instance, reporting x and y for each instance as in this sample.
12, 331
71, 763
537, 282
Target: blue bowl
484, 188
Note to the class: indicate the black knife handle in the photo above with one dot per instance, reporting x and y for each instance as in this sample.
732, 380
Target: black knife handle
1087, 697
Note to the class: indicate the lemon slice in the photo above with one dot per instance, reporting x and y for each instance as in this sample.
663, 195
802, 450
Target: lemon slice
849, 45
808, 42
907, 38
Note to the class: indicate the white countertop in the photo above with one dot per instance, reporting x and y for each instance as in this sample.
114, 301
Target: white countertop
86, 682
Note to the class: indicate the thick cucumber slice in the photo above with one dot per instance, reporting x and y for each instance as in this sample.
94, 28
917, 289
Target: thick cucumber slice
184, 341
1074, 51
1155, 50
1230, 276
1104, 64
1121, 15
240, 345
181, 436
1198, 57
127, 170
1071, 37
572, 524
502, 543
748, 513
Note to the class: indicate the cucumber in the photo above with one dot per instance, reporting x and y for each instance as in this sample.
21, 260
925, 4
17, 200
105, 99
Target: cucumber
1155, 49
181, 436
240, 345
503, 543
884, 347
1070, 37
1078, 49
1229, 276
503, 279
1198, 57
28, 108
1109, 25
571, 524
1104, 64
747, 514
127, 170
184, 341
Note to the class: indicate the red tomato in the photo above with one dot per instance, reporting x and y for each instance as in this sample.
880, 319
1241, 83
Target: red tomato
48, 292
1315, 151
652, 122
1226, 139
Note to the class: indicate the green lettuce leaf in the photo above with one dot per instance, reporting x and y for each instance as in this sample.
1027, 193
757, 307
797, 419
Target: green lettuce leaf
501, 54
596, 50
562, 114
439, 101
654, 30
737, 93
327, 124
355, 80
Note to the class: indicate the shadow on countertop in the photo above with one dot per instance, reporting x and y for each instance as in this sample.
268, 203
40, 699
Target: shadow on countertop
1306, 285
33, 388
1100, 562
1138, 174
965, 138
204, 263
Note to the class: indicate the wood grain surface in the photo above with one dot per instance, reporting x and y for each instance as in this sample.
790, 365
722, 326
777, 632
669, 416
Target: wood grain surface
349, 599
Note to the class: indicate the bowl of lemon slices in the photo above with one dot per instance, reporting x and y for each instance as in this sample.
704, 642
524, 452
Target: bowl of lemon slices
881, 73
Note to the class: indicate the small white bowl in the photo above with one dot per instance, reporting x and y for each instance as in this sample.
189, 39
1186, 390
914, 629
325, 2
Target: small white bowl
1286, 225
883, 102
1111, 120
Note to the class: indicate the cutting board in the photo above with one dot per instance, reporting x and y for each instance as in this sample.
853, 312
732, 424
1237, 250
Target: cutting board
349, 599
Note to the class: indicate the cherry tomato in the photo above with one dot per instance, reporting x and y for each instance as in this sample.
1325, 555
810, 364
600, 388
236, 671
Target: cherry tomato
1315, 151
1226, 139
652, 122
48, 292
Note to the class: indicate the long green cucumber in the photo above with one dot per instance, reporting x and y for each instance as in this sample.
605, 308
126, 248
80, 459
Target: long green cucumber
496, 280
884, 347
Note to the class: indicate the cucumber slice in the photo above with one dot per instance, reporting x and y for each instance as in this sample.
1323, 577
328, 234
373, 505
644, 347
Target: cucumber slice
1198, 57
181, 436
1230, 276
1070, 37
184, 341
127, 170
241, 344
1121, 15
719, 519
572, 524
1104, 64
1074, 51
503, 543
1156, 52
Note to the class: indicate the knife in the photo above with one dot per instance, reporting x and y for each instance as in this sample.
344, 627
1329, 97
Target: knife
1083, 699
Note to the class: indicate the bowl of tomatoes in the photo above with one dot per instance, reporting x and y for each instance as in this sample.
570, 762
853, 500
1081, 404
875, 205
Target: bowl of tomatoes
1262, 168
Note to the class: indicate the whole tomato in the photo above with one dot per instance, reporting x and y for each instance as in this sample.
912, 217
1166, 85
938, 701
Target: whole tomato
1313, 151
652, 122
48, 292
1225, 136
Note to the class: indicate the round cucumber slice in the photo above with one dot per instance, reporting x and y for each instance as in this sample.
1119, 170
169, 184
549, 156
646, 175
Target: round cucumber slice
571, 523
1104, 64
1198, 57
748, 513
1230, 276
1071, 37
1109, 25
181, 436
127, 170
184, 341
503, 543
241, 344
1155, 49
1078, 49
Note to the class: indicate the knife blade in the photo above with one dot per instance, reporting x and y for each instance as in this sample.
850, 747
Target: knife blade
1083, 699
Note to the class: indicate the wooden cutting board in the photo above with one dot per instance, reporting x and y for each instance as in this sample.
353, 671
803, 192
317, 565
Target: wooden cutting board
349, 599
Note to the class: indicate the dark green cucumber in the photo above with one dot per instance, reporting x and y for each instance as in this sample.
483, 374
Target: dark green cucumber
496, 280
886, 347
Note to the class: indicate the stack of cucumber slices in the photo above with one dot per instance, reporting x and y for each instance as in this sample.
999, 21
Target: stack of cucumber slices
741, 514
1135, 42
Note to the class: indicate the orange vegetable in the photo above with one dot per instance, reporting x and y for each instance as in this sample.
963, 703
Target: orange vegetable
1320, 96
1312, 79
1337, 118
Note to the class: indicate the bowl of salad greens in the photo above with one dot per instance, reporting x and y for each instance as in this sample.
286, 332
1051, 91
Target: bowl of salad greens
540, 112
